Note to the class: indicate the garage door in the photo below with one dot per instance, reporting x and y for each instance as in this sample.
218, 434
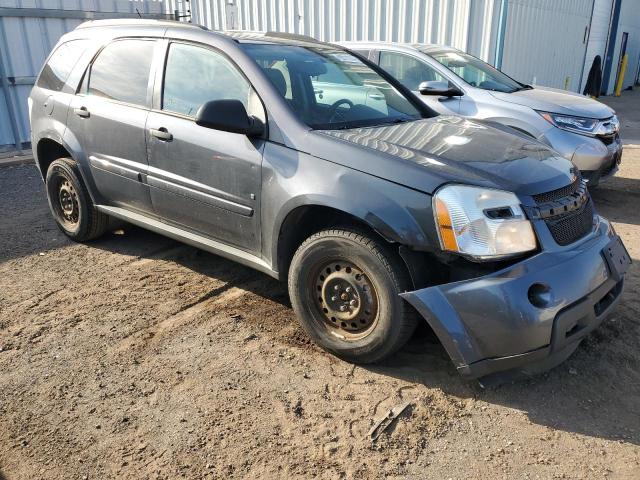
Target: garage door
598, 35
546, 40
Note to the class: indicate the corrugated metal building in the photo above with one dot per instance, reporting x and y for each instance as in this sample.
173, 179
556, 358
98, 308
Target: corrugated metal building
545, 42
28, 31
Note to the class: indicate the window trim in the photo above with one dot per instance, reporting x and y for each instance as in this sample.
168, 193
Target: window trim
87, 72
163, 58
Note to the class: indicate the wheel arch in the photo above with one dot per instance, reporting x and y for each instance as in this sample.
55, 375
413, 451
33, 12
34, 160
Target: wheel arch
305, 216
47, 150
52, 146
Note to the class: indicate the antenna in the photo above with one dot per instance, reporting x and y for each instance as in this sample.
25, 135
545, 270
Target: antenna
138, 12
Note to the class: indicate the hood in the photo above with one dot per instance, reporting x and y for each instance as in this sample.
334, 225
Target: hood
557, 101
427, 153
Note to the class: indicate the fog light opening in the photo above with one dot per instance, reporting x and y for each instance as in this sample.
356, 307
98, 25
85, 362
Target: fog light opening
539, 295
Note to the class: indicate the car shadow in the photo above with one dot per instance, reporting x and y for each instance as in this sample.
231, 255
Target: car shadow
136, 242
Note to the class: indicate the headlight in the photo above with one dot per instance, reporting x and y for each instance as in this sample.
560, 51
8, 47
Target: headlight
572, 124
482, 223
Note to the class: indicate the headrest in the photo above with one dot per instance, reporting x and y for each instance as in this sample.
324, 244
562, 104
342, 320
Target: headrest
277, 78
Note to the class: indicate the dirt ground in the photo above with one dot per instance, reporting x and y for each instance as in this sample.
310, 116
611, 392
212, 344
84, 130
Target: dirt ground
137, 357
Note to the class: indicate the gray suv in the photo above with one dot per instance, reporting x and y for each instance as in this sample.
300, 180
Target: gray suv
377, 211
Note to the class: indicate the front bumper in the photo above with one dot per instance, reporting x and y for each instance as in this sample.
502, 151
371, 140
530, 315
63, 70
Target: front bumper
596, 158
529, 316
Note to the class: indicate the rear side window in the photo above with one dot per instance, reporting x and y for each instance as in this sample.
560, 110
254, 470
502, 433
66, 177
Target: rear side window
57, 70
121, 71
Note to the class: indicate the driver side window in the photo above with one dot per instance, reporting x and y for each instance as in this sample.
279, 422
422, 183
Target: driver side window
196, 75
409, 71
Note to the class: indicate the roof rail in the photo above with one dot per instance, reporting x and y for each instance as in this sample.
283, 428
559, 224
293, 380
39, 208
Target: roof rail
112, 22
292, 36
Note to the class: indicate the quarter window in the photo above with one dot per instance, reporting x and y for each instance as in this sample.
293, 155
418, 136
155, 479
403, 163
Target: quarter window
409, 71
57, 70
196, 75
121, 71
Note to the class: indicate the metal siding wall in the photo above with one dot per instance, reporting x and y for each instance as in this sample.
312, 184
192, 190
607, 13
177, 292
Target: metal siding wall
466, 24
25, 43
545, 40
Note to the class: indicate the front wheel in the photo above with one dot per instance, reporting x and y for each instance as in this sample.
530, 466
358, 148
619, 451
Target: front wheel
344, 287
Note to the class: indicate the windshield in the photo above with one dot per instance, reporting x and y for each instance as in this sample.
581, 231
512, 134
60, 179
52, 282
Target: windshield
328, 88
476, 72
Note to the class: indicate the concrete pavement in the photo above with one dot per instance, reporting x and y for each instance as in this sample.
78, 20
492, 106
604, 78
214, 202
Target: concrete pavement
627, 107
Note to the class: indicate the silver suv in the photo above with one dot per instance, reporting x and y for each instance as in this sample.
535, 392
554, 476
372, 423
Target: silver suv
376, 211
453, 82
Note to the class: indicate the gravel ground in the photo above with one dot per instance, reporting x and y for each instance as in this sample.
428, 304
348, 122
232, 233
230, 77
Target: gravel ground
137, 357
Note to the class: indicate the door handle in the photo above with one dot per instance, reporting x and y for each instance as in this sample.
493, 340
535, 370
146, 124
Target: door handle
161, 134
81, 112
376, 96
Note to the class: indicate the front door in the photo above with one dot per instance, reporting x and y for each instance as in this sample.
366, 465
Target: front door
109, 115
205, 180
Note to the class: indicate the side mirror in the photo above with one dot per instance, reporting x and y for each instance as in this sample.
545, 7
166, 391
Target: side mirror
228, 116
441, 89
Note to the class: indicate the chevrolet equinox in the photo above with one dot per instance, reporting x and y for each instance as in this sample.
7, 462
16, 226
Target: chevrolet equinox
377, 211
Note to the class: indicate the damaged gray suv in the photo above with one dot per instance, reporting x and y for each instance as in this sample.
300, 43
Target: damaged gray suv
378, 212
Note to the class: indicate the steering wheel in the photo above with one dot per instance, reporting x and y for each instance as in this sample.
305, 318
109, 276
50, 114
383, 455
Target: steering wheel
333, 109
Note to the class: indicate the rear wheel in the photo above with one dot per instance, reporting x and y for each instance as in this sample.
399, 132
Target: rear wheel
344, 286
71, 204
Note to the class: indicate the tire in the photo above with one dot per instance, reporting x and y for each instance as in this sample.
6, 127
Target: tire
365, 324
70, 203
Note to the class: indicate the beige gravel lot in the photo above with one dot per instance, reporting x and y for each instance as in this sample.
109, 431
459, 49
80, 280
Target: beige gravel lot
138, 357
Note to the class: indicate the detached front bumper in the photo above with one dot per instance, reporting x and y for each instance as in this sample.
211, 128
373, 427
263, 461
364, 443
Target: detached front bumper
530, 316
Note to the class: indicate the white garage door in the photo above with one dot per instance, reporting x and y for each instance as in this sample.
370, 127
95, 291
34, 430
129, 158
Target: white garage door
598, 35
546, 40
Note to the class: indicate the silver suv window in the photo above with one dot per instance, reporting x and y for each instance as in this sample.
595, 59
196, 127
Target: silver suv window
410, 71
56, 71
121, 71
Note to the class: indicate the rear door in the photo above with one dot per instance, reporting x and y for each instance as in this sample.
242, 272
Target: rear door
205, 180
109, 115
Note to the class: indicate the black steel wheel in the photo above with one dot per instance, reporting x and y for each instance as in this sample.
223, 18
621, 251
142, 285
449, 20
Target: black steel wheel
347, 299
344, 286
71, 204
